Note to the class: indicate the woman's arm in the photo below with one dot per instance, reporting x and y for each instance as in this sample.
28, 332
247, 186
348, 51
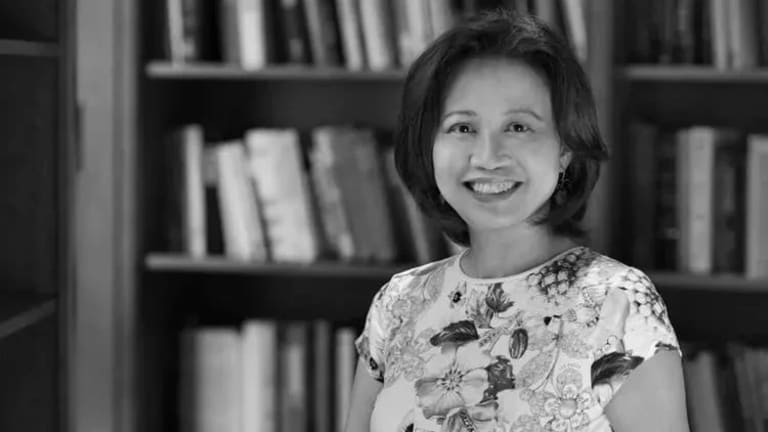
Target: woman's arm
364, 392
652, 398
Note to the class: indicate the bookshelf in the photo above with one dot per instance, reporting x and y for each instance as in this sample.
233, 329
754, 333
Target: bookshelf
36, 72
161, 292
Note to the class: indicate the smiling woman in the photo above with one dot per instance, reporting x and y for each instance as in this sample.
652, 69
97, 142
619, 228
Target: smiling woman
525, 330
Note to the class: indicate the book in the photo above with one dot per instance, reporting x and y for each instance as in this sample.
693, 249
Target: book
259, 375
351, 32
185, 193
277, 166
378, 36
641, 187
756, 255
695, 168
576, 27
242, 224
322, 31
702, 389
345, 372
295, 48
337, 231
322, 372
667, 218
210, 380
294, 400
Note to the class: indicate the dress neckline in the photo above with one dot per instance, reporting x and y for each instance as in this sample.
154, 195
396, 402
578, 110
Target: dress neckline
516, 276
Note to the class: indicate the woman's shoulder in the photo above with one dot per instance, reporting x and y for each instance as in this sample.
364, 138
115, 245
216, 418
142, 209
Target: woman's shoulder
415, 278
597, 268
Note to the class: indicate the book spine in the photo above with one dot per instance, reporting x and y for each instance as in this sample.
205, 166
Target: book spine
757, 207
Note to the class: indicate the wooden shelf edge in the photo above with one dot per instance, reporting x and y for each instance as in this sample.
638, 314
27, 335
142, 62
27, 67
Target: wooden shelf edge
27, 317
218, 71
172, 263
725, 283
9, 47
672, 74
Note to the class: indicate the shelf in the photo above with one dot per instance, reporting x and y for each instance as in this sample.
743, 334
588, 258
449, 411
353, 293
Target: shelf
725, 283
702, 74
183, 264
21, 310
219, 71
10, 47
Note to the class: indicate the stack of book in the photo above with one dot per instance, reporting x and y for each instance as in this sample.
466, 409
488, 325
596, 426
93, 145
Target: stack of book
265, 198
728, 34
369, 34
699, 197
727, 389
268, 376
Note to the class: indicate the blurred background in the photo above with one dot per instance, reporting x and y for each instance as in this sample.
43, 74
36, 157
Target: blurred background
198, 199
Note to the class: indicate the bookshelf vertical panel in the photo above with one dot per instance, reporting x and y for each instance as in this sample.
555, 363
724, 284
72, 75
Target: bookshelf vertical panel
29, 174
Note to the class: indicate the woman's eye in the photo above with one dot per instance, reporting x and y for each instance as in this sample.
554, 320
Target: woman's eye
519, 128
461, 128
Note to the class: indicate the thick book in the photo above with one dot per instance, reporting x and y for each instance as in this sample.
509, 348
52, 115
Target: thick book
277, 166
242, 224
695, 169
210, 380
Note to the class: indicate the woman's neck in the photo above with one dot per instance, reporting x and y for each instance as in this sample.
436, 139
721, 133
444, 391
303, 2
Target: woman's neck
495, 254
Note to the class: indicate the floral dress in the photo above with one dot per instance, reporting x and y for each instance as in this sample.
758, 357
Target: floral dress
543, 350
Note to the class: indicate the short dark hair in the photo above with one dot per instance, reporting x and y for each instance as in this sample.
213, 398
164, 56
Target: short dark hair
500, 34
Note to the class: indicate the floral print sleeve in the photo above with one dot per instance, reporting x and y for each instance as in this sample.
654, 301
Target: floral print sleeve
637, 316
370, 345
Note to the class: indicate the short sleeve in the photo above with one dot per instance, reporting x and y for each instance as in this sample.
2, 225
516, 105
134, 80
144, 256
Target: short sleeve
371, 343
647, 328
635, 326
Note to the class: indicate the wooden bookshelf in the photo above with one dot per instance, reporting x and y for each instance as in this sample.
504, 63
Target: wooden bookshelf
217, 71
36, 82
21, 310
168, 291
27, 48
168, 263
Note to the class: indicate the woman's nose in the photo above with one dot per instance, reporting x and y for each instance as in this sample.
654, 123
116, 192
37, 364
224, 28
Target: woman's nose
489, 153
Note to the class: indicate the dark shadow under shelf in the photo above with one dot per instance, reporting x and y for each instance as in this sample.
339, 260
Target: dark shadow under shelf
19, 310
10, 47
219, 71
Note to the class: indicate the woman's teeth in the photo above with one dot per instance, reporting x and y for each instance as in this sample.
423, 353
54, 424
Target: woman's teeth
492, 188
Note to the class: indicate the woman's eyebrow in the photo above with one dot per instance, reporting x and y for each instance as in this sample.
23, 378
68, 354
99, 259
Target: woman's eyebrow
528, 111
459, 112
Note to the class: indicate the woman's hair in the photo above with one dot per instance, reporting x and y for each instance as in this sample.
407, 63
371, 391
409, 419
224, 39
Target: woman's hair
500, 34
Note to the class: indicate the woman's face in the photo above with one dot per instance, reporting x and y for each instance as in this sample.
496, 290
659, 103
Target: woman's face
496, 153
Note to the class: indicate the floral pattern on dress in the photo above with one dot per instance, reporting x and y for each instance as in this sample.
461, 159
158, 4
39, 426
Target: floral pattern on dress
545, 350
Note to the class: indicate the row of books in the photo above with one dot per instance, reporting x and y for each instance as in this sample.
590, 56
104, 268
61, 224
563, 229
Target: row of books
331, 193
728, 34
367, 34
268, 376
699, 201
727, 388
